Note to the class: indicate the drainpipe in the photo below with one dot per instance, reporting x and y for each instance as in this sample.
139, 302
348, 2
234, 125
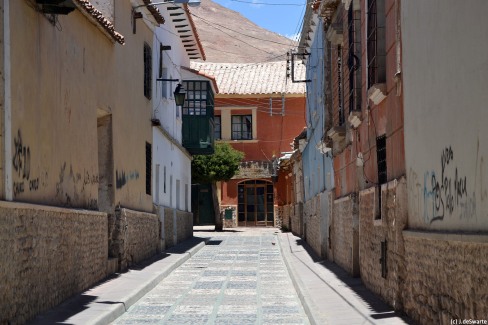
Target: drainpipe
7, 118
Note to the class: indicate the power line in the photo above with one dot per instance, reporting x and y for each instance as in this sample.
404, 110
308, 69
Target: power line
235, 31
269, 4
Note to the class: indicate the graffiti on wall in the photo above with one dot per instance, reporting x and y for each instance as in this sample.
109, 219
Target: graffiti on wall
122, 178
446, 193
71, 187
21, 163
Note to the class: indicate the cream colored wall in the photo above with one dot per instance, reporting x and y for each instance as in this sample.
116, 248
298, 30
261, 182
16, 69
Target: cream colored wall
61, 77
446, 139
132, 120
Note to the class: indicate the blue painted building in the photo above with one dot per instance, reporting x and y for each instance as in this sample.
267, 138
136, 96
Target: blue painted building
318, 177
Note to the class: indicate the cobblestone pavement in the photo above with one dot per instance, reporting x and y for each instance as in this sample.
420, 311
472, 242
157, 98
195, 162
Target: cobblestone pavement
237, 278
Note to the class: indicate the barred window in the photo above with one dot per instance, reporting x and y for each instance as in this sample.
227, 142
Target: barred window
354, 63
376, 42
147, 71
381, 158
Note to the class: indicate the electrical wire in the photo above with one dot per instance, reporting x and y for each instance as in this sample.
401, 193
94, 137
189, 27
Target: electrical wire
238, 32
269, 4
208, 23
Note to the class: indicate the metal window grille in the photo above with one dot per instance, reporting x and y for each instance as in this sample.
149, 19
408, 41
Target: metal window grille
218, 127
376, 43
241, 127
147, 71
381, 167
384, 249
381, 158
148, 167
342, 117
354, 63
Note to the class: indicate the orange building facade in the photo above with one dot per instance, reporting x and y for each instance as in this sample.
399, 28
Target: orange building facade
258, 112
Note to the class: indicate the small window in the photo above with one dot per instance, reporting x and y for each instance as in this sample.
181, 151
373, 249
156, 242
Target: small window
241, 127
384, 250
147, 71
164, 179
218, 127
376, 42
148, 167
381, 159
160, 74
381, 166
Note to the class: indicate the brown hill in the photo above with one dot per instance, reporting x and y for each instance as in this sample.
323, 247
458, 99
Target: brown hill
221, 33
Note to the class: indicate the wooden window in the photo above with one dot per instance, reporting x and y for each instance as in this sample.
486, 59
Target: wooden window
197, 98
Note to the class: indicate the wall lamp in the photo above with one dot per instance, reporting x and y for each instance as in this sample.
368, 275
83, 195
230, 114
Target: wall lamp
179, 92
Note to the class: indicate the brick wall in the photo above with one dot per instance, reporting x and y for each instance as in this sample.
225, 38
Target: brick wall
47, 255
446, 277
389, 228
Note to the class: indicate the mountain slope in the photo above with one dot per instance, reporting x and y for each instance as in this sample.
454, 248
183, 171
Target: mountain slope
221, 33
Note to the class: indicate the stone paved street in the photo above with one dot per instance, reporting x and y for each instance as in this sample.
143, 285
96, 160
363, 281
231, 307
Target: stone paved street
237, 278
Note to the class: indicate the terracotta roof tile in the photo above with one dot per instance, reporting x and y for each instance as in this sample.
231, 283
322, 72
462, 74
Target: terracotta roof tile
88, 9
154, 11
203, 74
253, 78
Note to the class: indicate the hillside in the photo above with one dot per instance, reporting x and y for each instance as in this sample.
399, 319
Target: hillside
221, 33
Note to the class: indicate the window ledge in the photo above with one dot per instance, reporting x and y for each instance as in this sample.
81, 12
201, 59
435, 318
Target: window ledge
377, 93
337, 133
354, 119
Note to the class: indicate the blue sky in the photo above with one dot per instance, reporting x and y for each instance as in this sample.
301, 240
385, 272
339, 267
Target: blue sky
282, 19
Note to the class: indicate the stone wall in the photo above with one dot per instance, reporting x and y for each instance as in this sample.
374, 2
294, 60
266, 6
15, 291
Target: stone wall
133, 236
184, 225
297, 220
445, 276
178, 226
47, 255
344, 228
372, 232
311, 221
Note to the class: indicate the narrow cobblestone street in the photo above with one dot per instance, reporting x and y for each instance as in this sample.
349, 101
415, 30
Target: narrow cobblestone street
237, 278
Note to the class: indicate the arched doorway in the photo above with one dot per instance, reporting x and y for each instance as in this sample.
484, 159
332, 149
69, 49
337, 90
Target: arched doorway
255, 203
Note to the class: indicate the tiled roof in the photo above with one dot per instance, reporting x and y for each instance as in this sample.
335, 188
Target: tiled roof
254, 78
154, 11
211, 78
100, 20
